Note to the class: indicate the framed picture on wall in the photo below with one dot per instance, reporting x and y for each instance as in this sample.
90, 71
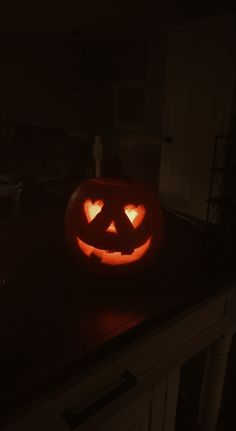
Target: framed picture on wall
129, 105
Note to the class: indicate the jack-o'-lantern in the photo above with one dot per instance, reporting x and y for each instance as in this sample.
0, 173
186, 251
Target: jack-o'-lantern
113, 225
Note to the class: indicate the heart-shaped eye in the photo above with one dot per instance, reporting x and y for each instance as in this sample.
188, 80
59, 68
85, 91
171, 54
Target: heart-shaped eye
92, 209
135, 214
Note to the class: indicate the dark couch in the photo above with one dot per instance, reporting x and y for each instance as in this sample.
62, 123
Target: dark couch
42, 166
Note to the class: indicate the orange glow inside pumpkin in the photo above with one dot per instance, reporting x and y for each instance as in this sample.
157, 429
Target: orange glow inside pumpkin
112, 228
92, 209
135, 214
114, 258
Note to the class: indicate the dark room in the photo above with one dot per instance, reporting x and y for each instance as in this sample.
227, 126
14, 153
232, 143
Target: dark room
118, 215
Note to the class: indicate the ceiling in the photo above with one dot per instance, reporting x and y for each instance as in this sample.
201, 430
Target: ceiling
92, 18
101, 19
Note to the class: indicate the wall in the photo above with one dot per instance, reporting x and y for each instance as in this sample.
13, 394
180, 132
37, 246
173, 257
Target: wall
155, 80
128, 60
144, 58
164, 15
125, 61
39, 84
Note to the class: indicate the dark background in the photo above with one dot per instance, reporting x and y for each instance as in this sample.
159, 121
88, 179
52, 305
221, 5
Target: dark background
59, 61
58, 64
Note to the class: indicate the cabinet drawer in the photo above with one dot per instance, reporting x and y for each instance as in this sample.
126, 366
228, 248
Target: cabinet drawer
134, 416
125, 415
188, 329
139, 358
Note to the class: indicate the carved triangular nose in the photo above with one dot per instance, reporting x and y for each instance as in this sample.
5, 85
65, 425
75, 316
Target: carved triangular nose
112, 228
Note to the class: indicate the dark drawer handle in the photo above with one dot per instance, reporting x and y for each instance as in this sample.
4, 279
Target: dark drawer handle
73, 420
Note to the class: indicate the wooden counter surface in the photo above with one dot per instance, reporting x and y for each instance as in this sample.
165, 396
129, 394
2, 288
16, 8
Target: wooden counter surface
56, 321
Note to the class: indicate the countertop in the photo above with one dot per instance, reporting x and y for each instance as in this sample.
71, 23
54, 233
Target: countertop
56, 320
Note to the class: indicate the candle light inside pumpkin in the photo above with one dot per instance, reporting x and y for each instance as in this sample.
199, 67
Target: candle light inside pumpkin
113, 222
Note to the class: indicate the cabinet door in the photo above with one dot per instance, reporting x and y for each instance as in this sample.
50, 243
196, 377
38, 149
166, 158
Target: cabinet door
133, 417
197, 100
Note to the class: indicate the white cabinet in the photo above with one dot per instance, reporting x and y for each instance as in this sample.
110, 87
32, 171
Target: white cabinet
144, 413
133, 417
137, 389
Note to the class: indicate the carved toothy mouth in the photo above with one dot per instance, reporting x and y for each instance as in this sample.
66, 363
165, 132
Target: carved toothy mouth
113, 258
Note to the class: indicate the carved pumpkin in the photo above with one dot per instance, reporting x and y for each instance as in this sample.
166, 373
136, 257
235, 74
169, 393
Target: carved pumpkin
113, 224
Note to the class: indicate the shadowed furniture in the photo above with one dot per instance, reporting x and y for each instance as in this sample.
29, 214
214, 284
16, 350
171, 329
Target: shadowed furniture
42, 166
